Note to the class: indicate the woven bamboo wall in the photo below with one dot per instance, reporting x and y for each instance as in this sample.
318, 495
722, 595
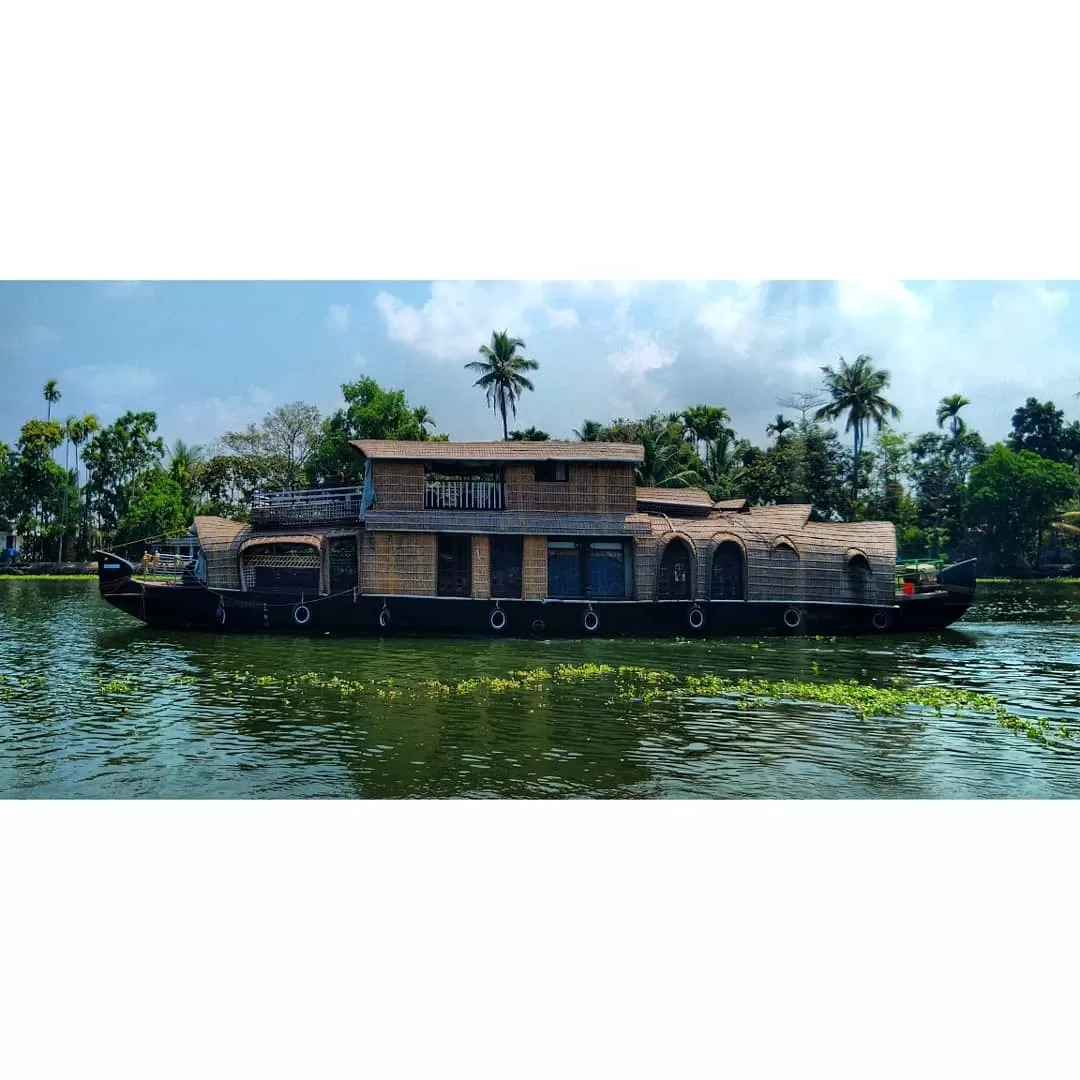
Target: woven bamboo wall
481, 567
646, 565
590, 489
534, 568
220, 540
399, 563
399, 485
817, 569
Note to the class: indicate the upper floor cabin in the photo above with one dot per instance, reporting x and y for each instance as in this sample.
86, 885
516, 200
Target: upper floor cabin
498, 477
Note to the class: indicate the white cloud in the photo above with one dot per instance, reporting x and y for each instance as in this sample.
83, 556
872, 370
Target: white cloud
338, 317
359, 361
460, 316
871, 299
641, 355
562, 318
129, 289
735, 319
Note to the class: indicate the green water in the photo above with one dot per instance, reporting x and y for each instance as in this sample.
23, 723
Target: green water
93, 705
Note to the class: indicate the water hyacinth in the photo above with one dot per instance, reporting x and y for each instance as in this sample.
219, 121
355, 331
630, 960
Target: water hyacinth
630, 685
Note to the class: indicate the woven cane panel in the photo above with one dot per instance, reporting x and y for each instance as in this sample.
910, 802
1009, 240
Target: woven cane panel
589, 489
481, 568
819, 571
402, 563
399, 485
309, 558
534, 568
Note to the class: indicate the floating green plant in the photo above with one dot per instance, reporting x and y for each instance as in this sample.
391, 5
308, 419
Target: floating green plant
639, 686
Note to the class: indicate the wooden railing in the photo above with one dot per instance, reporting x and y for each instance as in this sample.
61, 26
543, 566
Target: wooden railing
305, 507
463, 495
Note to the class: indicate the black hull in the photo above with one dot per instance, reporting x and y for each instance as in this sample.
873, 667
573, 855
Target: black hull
194, 607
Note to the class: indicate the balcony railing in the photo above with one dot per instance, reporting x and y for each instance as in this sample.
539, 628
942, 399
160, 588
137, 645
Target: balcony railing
315, 506
463, 495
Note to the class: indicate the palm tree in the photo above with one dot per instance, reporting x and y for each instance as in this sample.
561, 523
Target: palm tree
86, 428
703, 423
424, 419
949, 409
51, 392
501, 373
184, 460
779, 426
589, 431
855, 389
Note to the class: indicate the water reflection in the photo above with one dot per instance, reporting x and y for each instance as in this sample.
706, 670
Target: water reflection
173, 726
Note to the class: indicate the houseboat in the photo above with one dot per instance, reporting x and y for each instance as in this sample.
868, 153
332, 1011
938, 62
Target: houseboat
533, 538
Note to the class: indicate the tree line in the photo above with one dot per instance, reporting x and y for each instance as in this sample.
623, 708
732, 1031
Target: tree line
948, 491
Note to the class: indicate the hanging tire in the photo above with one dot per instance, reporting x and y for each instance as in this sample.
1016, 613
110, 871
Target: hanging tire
696, 618
219, 613
538, 626
301, 615
793, 618
881, 620
591, 621
384, 618
497, 619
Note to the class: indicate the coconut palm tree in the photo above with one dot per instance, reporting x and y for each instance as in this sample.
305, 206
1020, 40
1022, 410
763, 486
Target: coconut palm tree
855, 390
184, 460
51, 392
502, 375
589, 431
779, 426
424, 419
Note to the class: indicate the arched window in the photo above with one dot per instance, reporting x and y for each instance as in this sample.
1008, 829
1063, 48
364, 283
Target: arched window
674, 579
858, 574
785, 553
728, 578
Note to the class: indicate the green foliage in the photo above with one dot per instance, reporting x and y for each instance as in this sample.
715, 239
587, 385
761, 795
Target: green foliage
117, 456
284, 440
530, 434
156, 508
856, 392
370, 413
502, 373
1014, 497
1040, 427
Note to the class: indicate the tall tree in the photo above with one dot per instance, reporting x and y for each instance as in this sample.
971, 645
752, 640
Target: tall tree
424, 419
948, 410
703, 423
51, 392
1014, 497
778, 426
1040, 427
287, 436
502, 374
370, 413
184, 462
856, 392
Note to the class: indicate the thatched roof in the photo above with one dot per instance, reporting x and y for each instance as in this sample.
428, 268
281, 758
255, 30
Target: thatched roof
509, 450
219, 531
282, 538
674, 496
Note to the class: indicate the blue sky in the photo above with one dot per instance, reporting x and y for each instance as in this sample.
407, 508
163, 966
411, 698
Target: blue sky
213, 356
